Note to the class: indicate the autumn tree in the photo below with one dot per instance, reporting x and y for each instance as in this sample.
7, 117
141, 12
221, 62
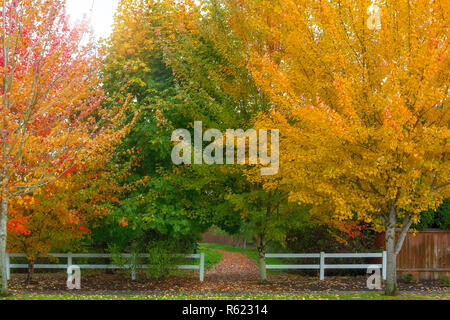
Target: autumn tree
191, 68
61, 215
267, 216
360, 94
187, 70
164, 204
51, 114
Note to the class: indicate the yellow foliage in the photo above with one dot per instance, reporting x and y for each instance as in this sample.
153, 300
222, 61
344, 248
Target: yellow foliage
363, 113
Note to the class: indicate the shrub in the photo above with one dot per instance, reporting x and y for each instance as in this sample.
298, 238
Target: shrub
120, 260
314, 239
165, 256
445, 281
408, 277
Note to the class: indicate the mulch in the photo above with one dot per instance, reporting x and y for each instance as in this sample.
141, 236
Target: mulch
234, 274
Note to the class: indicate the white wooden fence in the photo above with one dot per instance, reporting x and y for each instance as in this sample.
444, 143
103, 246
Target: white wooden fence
69, 256
322, 266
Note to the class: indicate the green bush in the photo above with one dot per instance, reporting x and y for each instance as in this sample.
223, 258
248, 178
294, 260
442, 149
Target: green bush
315, 239
445, 281
408, 277
165, 257
118, 259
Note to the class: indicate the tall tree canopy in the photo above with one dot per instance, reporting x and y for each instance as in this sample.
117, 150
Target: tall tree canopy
183, 62
166, 56
363, 110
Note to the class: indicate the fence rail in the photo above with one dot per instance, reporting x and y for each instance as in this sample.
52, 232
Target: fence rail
69, 256
322, 266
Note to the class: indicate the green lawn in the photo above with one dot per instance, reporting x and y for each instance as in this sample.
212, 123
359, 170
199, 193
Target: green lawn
312, 296
211, 257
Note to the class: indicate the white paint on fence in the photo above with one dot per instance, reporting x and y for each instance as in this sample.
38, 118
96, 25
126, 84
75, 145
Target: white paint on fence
70, 256
322, 266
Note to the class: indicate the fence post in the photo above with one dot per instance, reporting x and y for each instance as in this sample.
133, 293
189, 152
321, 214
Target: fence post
322, 265
384, 265
133, 266
69, 259
8, 270
69, 264
202, 266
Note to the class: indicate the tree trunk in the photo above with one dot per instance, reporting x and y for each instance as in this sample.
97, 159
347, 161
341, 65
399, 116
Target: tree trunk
3, 222
391, 263
30, 271
236, 242
261, 246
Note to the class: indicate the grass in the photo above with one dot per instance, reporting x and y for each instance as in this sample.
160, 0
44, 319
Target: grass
211, 257
268, 296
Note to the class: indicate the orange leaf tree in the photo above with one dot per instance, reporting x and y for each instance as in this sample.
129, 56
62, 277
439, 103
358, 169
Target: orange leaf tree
51, 117
362, 107
60, 215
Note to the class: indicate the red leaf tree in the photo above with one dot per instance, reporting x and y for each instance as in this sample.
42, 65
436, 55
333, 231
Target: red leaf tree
51, 117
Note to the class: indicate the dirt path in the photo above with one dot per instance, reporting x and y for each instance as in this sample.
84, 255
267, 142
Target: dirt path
234, 266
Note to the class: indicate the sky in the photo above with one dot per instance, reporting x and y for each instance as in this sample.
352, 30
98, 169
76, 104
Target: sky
102, 14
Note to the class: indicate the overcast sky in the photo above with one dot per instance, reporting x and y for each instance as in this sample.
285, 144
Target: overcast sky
102, 14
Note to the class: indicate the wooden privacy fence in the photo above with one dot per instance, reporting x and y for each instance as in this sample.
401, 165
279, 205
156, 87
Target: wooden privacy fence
322, 266
69, 256
426, 256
